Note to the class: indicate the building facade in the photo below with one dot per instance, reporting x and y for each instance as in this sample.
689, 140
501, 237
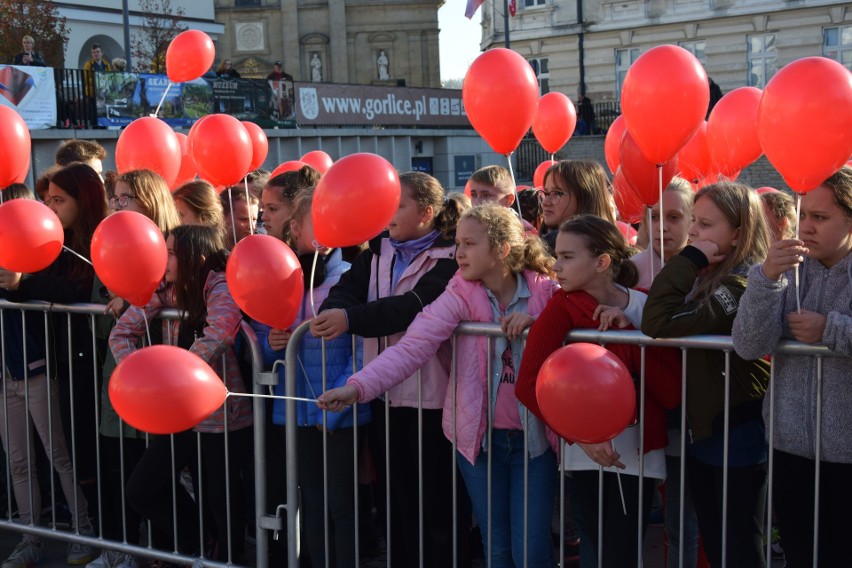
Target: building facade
385, 42
591, 43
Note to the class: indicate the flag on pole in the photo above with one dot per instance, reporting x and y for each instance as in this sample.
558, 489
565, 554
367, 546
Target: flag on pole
512, 7
472, 7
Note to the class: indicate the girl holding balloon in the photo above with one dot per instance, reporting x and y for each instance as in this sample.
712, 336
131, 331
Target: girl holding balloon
277, 199
316, 429
195, 283
503, 278
405, 269
768, 313
76, 194
595, 273
197, 203
698, 292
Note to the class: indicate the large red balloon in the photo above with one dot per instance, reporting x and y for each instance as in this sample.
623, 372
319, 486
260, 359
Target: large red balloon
627, 200
500, 95
318, 160
541, 169
644, 175
164, 389
265, 279
189, 56
31, 236
554, 122
612, 143
732, 130
221, 149
586, 393
291, 166
664, 100
363, 183
149, 143
14, 146
694, 160
129, 255
804, 121
187, 170
259, 144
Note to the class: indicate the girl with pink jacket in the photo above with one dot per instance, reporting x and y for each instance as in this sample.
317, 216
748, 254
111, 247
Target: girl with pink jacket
503, 278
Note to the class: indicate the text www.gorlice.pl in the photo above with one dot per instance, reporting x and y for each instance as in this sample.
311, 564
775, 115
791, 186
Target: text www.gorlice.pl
391, 105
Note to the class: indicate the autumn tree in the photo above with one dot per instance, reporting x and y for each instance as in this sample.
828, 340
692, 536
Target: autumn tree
40, 20
162, 23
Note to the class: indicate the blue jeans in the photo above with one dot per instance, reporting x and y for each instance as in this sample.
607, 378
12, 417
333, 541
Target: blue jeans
507, 500
690, 521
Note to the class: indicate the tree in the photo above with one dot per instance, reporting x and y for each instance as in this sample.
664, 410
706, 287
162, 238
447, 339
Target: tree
40, 20
161, 24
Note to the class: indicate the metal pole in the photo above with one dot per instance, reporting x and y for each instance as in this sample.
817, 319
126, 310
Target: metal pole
125, 14
506, 23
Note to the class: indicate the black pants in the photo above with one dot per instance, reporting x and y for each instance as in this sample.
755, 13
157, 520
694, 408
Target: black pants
341, 494
793, 502
150, 489
114, 481
619, 530
746, 512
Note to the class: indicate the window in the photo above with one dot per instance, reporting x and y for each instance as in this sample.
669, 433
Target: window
696, 48
534, 3
761, 59
624, 58
542, 73
837, 44
246, 3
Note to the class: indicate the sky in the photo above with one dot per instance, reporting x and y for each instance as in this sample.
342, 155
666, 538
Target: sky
459, 38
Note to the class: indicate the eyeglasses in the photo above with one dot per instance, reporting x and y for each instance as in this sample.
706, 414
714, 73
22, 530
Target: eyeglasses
552, 196
120, 201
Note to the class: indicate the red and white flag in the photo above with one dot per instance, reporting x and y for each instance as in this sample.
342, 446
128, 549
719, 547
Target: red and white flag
472, 7
512, 7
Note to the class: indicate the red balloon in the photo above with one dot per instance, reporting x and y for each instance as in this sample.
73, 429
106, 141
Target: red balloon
694, 160
628, 232
195, 126
163, 389
149, 143
586, 393
187, 170
259, 144
31, 236
732, 130
612, 143
265, 279
766, 189
626, 199
554, 122
129, 255
804, 121
14, 146
644, 175
291, 166
363, 183
538, 176
664, 77
318, 160
189, 56
221, 149
495, 78
467, 187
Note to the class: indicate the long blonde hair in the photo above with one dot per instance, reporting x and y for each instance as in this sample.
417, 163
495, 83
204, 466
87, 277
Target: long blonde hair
152, 194
743, 210
502, 226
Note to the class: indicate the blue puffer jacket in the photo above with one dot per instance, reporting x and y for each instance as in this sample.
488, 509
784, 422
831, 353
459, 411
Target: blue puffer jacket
339, 358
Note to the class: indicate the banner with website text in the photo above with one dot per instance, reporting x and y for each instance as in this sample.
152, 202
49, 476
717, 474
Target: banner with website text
32, 92
363, 105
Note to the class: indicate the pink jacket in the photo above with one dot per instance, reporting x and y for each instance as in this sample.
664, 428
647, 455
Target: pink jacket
436, 371
462, 301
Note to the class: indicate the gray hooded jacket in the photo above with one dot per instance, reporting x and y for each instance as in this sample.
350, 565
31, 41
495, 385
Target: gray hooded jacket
761, 323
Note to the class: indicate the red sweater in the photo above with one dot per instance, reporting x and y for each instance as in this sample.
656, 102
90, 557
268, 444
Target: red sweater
574, 310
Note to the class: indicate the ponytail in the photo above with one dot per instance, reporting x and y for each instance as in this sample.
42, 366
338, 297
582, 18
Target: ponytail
448, 217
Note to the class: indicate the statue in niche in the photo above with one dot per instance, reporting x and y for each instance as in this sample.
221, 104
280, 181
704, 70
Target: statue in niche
382, 62
316, 68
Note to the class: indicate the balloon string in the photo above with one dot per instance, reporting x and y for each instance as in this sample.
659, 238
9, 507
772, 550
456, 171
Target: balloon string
621, 491
163, 98
248, 201
313, 272
512, 174
551, 158
798, 213
662, 252
147, 329
78, 255
275, 396
233, 222
651, 243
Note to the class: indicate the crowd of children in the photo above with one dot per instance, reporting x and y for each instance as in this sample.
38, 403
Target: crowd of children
415, 408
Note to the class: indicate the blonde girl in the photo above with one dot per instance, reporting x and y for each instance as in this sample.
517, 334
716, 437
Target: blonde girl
146, 192
198, 204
